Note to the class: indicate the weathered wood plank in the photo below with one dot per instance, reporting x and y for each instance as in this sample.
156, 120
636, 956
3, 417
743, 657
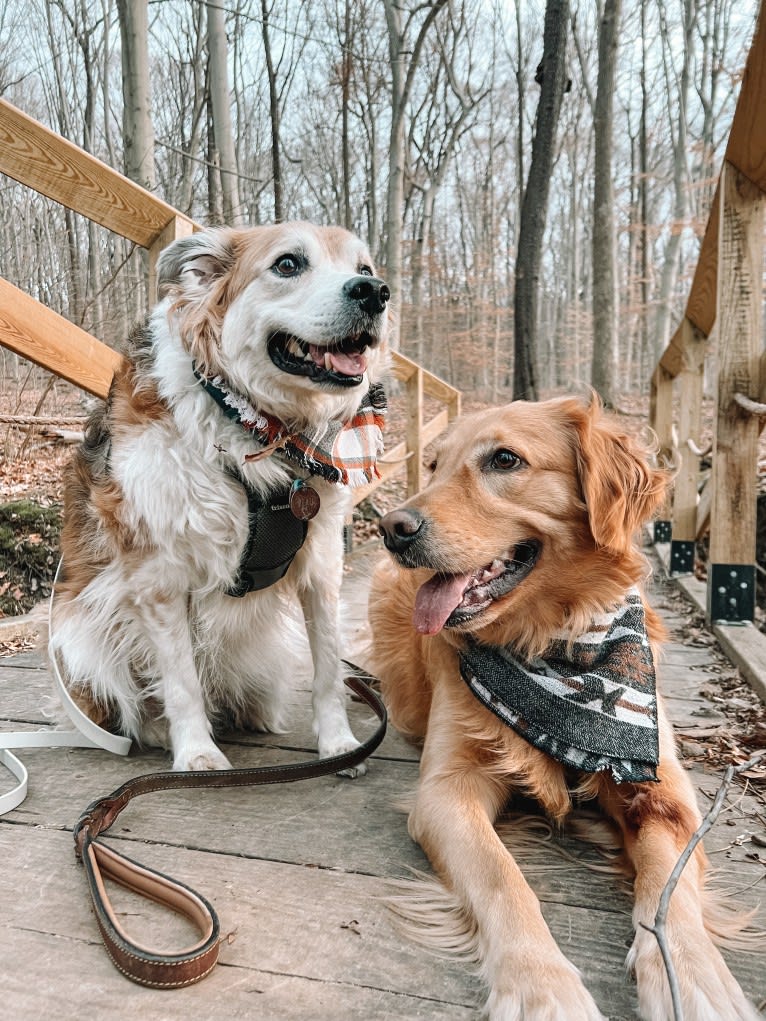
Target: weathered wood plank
701, 304
36, 332
689, 421
746, 148
39, 158
415, 432
46, 976
322, 926
740, 274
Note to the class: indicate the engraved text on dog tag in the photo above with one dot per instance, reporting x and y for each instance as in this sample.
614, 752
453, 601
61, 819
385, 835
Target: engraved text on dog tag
304, 501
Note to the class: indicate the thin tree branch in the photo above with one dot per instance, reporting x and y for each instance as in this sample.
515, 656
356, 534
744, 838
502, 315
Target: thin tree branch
660, 919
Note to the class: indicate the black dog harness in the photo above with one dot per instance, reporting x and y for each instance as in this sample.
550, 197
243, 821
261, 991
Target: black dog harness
344, 454
278, 526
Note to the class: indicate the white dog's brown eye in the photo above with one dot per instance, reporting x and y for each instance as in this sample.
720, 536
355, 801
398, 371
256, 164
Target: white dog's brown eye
287, 265
505, 460
366, 271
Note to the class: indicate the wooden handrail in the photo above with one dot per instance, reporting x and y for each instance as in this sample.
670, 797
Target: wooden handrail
43, 336
37, 157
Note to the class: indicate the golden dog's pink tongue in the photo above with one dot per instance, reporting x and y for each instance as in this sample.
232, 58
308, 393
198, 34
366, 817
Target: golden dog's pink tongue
436, 600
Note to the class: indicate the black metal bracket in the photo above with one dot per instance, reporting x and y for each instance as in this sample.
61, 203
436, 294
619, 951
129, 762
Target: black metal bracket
731, 592
663, 531
682, 556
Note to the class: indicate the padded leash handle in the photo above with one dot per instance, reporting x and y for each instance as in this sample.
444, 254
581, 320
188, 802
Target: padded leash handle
101, 862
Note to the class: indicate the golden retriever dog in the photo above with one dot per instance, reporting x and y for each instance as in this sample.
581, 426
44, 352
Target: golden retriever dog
512, 640
205, 508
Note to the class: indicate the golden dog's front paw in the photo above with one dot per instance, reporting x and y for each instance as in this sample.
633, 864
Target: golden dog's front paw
708, 990
550, 991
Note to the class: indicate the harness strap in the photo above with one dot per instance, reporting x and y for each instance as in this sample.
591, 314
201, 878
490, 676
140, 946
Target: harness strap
101, 862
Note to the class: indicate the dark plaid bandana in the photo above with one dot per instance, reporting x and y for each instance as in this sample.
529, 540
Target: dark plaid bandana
591, 705
345, 453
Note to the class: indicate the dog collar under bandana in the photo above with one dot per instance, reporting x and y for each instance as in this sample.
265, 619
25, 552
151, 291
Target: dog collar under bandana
345, 453
591, 705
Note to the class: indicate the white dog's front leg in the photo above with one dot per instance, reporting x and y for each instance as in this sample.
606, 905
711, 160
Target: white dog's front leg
328, 697
166, 621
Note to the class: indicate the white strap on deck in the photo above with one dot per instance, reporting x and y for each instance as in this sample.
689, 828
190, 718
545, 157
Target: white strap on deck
87, 735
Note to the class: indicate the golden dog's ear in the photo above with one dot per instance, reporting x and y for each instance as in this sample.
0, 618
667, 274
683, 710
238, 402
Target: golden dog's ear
620, 487
195, 272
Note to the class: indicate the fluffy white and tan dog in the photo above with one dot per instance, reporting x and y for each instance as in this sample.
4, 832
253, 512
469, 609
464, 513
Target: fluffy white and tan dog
212, 488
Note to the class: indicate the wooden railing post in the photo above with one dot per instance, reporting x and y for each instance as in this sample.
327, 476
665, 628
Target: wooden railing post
661, 421
415, 443
690, 380
731, 569
176, 227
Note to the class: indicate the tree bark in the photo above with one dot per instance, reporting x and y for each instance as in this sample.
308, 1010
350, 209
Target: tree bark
402, 78
534, 205
274, 112
220, 104
137, 127
604, 361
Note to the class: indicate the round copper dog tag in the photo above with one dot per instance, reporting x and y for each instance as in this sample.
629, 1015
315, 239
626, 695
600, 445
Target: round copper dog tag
304, 501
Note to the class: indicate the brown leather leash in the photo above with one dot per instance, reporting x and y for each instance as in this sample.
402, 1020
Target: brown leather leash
101, 862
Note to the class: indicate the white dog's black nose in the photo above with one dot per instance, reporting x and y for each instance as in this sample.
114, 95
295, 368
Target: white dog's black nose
372, 293
400, 528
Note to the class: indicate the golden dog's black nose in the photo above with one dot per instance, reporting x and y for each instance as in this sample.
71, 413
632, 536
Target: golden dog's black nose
372, 293
400, 528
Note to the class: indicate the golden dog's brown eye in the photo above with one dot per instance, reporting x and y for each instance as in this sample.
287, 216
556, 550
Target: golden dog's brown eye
505, 460
366, 271
287, 265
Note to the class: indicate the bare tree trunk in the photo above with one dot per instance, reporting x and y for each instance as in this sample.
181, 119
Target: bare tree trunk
677, 124
137, 127
218, 84
402, 78
643, 160
274, 111
534, 206
345, 90
604, 363
214, 199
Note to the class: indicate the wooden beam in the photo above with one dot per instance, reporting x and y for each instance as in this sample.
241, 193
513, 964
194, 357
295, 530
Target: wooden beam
404, 368
37, 157
701, 304
690, 384
735, 451
746, 148
672, 359
415, 432
178, 227
35, 332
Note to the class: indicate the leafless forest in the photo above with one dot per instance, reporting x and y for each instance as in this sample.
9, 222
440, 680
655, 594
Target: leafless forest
532, 177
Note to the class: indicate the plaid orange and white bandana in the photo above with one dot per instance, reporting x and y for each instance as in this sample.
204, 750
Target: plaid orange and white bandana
345, 453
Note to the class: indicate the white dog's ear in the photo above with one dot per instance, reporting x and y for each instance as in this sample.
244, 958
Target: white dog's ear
188, 267
195, 272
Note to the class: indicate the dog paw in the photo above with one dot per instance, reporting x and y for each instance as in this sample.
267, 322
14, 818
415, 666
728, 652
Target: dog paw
553, 991
708, 990
338, 747
199, 760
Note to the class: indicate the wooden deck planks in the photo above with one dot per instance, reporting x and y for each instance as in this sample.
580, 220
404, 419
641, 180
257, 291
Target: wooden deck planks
296, 874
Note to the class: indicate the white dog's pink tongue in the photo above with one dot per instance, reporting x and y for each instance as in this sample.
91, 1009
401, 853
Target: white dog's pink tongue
436, 600
353, 364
